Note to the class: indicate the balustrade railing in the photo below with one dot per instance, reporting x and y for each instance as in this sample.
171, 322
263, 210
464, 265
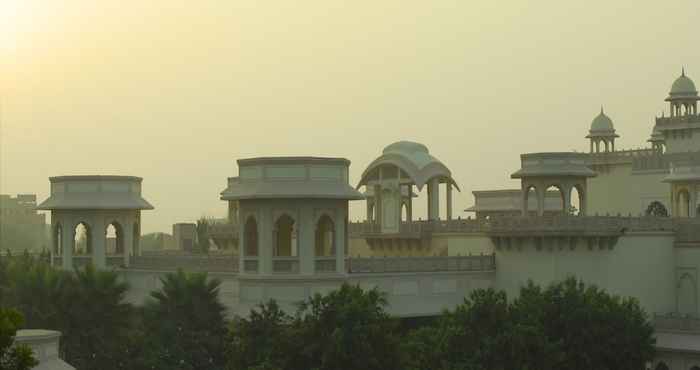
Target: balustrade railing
325, 264
115, 260
227, 263
676, 322
250, 265
421, 264
285, 265
519, 223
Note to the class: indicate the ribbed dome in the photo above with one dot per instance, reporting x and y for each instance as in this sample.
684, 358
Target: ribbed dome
683, 86
602, 123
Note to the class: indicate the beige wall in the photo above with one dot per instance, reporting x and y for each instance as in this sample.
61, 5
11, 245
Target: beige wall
640, 265
617, 190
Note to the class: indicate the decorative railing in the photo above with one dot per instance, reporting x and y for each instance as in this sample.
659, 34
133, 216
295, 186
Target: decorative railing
519, 223
285, 265
81, 261
421, 264
663, 161
325, 265
661, 121
687, 230
226, 263
250, 265
676, 322
114, 260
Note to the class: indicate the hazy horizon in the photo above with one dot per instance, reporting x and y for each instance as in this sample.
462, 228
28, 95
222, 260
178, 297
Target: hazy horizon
176, 93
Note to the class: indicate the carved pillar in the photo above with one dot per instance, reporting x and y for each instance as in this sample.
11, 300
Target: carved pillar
449, 201
566, 198
434, 199
409, 205
98, 231
68, 235
541, 192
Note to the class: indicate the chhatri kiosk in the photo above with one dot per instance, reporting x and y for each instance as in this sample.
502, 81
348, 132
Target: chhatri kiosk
293, 214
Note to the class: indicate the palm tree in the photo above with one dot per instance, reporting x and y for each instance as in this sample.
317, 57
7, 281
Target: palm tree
187, 322
98, 319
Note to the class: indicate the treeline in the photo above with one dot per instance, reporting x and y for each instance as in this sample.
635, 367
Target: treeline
183, 326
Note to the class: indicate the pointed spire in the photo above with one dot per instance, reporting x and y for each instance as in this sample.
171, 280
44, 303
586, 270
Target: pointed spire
601, 110
683, 71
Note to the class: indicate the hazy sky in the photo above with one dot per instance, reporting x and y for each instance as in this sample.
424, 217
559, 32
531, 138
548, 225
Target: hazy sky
176, 91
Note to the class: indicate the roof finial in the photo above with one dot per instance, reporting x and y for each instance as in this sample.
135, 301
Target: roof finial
683, 71
601, 109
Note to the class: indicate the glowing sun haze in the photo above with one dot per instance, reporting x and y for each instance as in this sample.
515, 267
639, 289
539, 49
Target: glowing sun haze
175, 91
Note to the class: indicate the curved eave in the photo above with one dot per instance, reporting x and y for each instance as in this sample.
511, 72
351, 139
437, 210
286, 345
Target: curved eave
593, 134
682, 178
684, 96
290, 190
95, 201
552, 173
419, 176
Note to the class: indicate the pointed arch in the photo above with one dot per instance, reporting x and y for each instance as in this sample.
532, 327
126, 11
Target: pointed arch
82, 239
250, 232
325, 237
285, 237
114, 238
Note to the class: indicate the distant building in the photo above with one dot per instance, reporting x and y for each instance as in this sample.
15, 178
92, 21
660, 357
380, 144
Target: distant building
184, 236
21, 226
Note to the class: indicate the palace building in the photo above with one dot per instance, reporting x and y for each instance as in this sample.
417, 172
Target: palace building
625, 220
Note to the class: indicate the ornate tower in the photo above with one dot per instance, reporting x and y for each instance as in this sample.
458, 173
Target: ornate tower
683, 97
602, 134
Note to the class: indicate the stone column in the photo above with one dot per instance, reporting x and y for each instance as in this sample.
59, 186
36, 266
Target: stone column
265, 240
127, 239
566, 198
409, 205
693, 201
434, 199
340, 240
98, 231
370, 210
524, 190
378, 204
449, 201
591, 145
541, 193
305, 227
67, 234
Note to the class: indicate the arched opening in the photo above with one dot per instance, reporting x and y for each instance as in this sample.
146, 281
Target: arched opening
285, 238
683, 203
114, 239
57, 240
554, 200
251, 237
656, 209
82, 239
687, 298
576, 206
661, 366
530, 201
371, 216
404, 212
136, 239
325, 237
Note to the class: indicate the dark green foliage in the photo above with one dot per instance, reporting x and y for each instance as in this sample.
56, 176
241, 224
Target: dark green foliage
262, 341
566, 326
656, 209
346, 329
13, 357
185, 323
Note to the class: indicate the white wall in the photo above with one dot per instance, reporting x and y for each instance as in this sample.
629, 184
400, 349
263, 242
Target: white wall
618, 190
640, 265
